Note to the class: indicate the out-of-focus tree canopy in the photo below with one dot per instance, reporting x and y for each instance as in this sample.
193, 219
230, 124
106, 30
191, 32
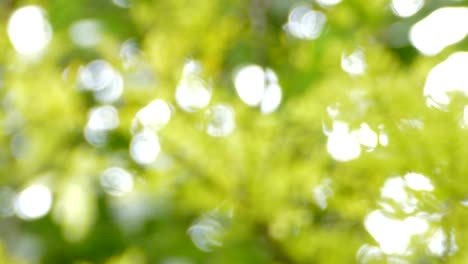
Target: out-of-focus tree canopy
233, 131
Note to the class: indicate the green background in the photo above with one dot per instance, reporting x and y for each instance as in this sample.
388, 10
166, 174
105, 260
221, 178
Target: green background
257, 183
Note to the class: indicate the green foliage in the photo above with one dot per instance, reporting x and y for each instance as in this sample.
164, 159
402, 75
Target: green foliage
268, 192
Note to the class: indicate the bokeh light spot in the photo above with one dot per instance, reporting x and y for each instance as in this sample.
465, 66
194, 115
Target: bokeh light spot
406, 8
101, 120
117, 181
154, 116
145, 147
367, 137
393, 235
86, 33
249, 82
354, 64
192, 93
328, 3
443, 27
256, 86
342, 144
322, 192
207, 233
272, 96
29, 30
447, 77
33, 202
305, 23
221, 120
